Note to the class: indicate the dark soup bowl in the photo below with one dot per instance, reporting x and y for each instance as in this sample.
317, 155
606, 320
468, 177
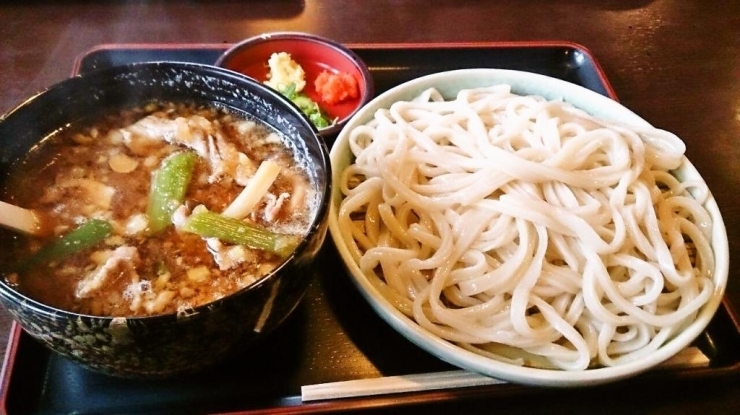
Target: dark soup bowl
154, 341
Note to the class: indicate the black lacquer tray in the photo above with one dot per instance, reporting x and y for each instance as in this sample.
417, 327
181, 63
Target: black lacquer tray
333, 335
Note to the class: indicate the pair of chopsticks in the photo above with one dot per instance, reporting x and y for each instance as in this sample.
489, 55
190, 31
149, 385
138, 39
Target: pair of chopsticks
689, 357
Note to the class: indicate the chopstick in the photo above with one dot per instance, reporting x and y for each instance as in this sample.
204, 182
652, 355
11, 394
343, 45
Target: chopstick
395, 384
689, 357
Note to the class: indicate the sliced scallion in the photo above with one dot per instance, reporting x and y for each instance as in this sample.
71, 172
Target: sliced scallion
308, 106
168, 189
212, 225
85, 236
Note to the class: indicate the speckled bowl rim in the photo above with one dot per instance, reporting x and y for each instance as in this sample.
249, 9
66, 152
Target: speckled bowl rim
448, 83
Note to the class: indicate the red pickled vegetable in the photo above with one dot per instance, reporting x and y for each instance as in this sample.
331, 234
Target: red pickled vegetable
334, 88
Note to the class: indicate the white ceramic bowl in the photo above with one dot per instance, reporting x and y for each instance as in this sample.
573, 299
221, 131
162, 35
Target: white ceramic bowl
523, 83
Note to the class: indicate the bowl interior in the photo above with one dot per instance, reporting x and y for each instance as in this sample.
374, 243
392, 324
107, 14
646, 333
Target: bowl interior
107, 91
312, 53
523, 83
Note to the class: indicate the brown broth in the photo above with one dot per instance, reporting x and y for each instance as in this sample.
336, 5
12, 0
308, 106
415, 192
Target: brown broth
71, 177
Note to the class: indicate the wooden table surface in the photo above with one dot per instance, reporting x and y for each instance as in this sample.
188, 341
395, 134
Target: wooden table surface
676, 63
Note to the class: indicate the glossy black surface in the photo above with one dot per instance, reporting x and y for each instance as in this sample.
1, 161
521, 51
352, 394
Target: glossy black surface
334, 335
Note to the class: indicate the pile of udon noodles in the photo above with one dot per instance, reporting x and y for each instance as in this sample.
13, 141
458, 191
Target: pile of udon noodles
526, 230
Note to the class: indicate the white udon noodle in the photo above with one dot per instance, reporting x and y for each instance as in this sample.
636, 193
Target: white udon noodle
526, 230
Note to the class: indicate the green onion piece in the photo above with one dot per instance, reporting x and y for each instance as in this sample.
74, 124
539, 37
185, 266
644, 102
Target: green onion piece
212, 225
308, 106
160, 268
305, 103
319, 120
168, 189
289, 91
85, 236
